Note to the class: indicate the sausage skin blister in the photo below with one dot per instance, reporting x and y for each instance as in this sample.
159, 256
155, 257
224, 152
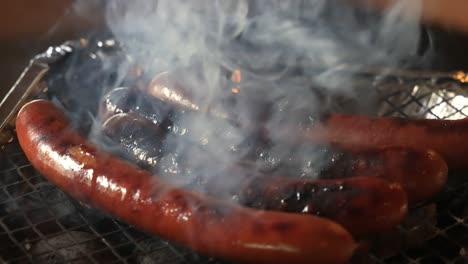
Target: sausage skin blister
205, 224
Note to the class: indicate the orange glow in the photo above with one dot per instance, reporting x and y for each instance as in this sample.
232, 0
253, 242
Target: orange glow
84, 42
461, 76
236, 76
138, 72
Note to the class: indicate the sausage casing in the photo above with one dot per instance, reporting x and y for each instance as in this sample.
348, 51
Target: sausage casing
208, 225
446, 137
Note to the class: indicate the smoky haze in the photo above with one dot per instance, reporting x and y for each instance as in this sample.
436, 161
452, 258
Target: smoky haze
282, 49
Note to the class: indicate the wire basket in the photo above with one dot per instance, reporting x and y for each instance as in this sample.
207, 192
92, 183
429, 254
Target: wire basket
41, 224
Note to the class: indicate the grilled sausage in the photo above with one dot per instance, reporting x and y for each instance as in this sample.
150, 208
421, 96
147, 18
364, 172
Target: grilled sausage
166, 88
128, 100
349, 131
161, 106
422, 173
363, 205
447, 137
139, 140
208, 225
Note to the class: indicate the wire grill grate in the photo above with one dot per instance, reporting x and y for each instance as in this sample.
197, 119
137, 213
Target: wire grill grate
41, 224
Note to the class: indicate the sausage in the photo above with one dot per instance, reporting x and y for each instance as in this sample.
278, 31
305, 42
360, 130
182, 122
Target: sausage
412, 152
128, 100
351, 131
160, 103
144, 142
422, 173
211, 226
165, 87
363, 205
139, 140
446, 137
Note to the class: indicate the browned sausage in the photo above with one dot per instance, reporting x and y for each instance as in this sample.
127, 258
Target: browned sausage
363, 205
165, 87
422, 173
128, 100
208, 225
447, 137
135, 138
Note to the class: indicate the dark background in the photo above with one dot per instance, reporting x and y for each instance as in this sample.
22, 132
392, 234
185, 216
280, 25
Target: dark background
29, 27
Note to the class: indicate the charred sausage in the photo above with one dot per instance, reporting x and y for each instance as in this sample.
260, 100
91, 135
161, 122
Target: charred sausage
133, 137
361, 204
128, 100
447, 137
140, 141
208, 225
422, 173
350, 131
172, 90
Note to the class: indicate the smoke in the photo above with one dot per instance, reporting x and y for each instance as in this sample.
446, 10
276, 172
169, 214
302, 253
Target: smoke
283, 49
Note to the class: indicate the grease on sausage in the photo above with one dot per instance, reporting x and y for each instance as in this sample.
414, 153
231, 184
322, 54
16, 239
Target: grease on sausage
446, 137
208, 225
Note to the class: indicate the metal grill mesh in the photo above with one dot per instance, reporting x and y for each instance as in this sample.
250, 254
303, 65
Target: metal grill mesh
436, 232
41, 224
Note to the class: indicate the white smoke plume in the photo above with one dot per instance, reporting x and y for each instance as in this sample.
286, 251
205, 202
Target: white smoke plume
283, 49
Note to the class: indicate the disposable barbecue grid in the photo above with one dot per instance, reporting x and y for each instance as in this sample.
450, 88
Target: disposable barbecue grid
41, 224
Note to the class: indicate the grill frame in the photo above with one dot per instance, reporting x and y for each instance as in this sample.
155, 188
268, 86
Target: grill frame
41, 224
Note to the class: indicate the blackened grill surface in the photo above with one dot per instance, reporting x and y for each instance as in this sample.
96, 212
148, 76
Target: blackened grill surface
41, 224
